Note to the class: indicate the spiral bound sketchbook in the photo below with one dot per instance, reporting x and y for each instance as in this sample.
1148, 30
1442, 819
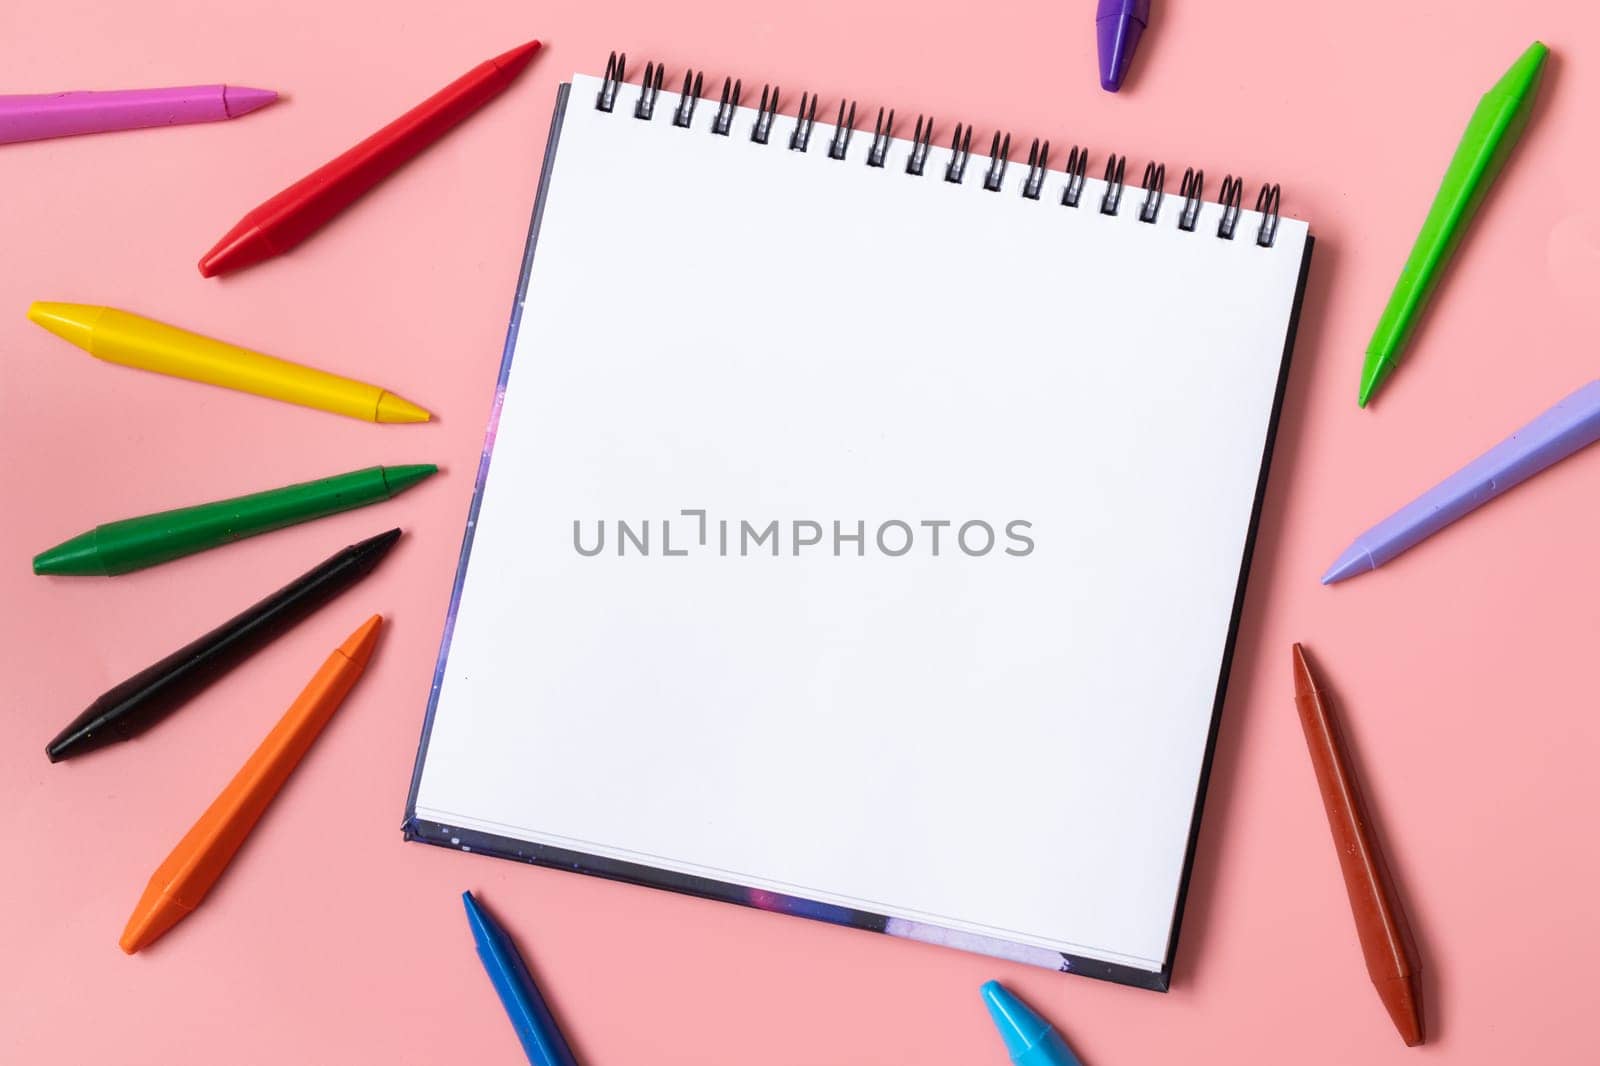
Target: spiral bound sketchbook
863, 522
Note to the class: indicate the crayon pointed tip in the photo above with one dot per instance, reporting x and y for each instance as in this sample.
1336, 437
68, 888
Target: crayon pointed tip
379, 545
155, 914
241, 100
1402, 997
244, 245
78, 557
400, 478
1118, 26
1019, 1027
1304, 683
514, 61
358, 645
73, 323
73, 740
1028, 1037
1355, 560
395, 409
484, 929
1524, 74
1373, 372
367, 554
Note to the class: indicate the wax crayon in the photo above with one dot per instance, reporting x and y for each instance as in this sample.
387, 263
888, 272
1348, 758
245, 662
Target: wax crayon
1029, 1039
182, 881
38, 116
156, 691
143, 343
312, 202
135, 543
541, 1041
1569, 426
1118, 26
1386, 942
1491, 133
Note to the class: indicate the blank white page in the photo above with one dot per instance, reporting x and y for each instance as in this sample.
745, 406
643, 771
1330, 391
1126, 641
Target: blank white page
996, 745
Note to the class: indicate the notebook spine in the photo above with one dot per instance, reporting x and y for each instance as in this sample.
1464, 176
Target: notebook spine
1153, 185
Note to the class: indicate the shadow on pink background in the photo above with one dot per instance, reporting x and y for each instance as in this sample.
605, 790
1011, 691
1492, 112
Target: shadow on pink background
1463, 668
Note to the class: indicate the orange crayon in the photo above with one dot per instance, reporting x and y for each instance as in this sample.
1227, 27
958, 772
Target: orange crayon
183, 880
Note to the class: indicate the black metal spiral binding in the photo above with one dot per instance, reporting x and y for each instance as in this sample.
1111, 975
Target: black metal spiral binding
616, 74
1269, 200
843, 127
684, 115
921, 142
1077, 167
998, 152
722, 122
800, 139
763, 127
1154, 184
1116, 173
1194, 183
882, 134
1038, 165
648, 91
1231, 198
960, 152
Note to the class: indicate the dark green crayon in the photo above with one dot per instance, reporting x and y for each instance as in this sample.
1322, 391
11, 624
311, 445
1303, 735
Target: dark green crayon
135, 543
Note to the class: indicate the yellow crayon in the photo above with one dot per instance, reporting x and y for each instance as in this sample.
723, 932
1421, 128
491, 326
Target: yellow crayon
132, 340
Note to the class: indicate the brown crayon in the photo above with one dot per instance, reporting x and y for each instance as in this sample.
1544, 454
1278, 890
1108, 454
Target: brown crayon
1386, 941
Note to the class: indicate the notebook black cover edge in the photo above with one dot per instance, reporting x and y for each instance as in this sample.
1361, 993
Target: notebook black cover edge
457, 838
1164, 977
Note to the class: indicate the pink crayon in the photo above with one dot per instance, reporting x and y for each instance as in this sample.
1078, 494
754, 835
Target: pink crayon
36, 117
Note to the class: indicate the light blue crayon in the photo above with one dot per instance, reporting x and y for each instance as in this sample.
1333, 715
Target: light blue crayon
1029, 1038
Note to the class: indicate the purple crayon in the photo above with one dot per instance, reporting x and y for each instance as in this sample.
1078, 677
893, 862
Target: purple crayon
36, 117
1569, 426
1119, 24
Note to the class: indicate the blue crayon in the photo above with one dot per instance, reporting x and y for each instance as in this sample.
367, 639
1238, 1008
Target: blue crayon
541, 1040
1029, 1038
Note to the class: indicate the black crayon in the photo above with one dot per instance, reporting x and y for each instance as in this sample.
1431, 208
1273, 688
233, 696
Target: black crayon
156, 691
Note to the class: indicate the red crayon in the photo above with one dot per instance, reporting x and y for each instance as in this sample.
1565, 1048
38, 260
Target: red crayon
310, 203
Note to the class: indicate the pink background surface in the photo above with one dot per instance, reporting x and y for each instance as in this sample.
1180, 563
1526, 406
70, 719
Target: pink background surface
1464, 668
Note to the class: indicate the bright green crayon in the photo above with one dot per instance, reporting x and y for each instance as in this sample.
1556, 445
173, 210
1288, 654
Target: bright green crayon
135, 543
1491, 134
